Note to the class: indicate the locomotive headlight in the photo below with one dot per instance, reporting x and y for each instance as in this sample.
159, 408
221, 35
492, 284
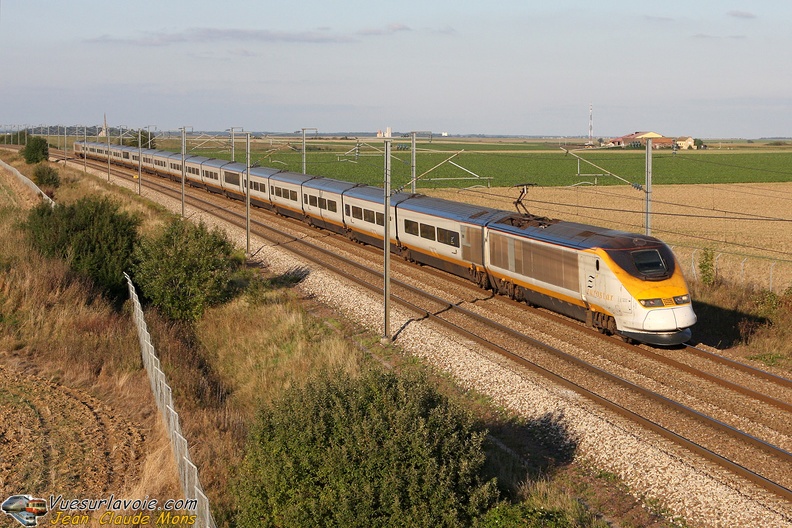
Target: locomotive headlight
651, 302
682, 299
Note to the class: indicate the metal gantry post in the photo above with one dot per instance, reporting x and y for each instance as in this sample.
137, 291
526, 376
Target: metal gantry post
107, 136
140, 158
648, 186
303, 147
183, 172
412, 163
387, 338
247, 194
233, 141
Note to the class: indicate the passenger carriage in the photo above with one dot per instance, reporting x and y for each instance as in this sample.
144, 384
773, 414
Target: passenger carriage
285, 190
322, 202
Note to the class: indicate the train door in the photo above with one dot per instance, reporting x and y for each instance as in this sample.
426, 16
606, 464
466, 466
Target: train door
592, 281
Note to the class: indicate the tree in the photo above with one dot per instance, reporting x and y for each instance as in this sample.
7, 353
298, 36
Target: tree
186, 269
699, 143
36, 150
382, 450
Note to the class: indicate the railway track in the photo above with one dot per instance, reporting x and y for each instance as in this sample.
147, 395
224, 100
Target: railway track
728, 413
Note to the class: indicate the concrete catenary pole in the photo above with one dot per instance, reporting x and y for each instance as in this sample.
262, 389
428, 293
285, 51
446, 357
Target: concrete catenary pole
387, 338
648, 186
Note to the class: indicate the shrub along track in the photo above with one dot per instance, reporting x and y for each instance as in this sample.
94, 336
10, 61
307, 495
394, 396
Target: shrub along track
649, 407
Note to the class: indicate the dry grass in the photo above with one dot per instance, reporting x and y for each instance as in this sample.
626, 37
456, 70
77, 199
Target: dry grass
262, 349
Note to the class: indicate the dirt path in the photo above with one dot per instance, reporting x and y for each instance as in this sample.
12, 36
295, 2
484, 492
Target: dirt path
56, 438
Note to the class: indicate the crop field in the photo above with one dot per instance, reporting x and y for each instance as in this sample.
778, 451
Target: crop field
505, 164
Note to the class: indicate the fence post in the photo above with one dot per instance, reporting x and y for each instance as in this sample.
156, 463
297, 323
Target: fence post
693, 264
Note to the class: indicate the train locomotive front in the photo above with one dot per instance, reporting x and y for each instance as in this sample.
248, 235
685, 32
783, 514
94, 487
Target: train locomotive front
617, 282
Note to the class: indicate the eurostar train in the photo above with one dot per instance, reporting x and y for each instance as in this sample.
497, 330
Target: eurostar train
620, 283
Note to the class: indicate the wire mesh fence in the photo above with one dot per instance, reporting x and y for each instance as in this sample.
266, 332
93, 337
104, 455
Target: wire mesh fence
196, 501
25, 180
745, 270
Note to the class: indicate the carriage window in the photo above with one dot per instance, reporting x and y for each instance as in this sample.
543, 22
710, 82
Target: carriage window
357, 212
445, 236
231, 178
312, 200
427, 231
380, 219
331, 206
322, 203
368, 215
346, 208
411, 227
305, 198
293, 196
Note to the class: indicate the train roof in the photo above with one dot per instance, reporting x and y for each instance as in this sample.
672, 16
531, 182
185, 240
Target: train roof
263, 171
292, 177
459, 211
570, 234
215, 163
329, 184
233, 166
197, 159
375, 195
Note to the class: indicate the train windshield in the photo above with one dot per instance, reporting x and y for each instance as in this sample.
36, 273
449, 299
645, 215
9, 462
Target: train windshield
646, 263
649, 262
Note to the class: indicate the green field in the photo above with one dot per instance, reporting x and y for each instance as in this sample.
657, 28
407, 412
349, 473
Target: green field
513, 163
505, 162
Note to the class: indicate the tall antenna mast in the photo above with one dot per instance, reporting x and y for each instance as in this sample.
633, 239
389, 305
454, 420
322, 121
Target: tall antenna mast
591, 124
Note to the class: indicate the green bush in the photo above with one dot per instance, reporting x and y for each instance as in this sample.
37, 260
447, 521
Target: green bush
92, 234
45, 175
36, 150
709, 274
381, 450
186, 269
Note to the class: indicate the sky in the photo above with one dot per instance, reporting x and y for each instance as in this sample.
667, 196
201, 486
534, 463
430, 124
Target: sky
703, 68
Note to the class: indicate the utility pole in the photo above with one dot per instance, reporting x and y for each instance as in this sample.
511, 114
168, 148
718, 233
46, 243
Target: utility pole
412, 162
648, 186
183, 168
387, 338
233, 141
140, 158
247, 193
303, 147
107, 137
